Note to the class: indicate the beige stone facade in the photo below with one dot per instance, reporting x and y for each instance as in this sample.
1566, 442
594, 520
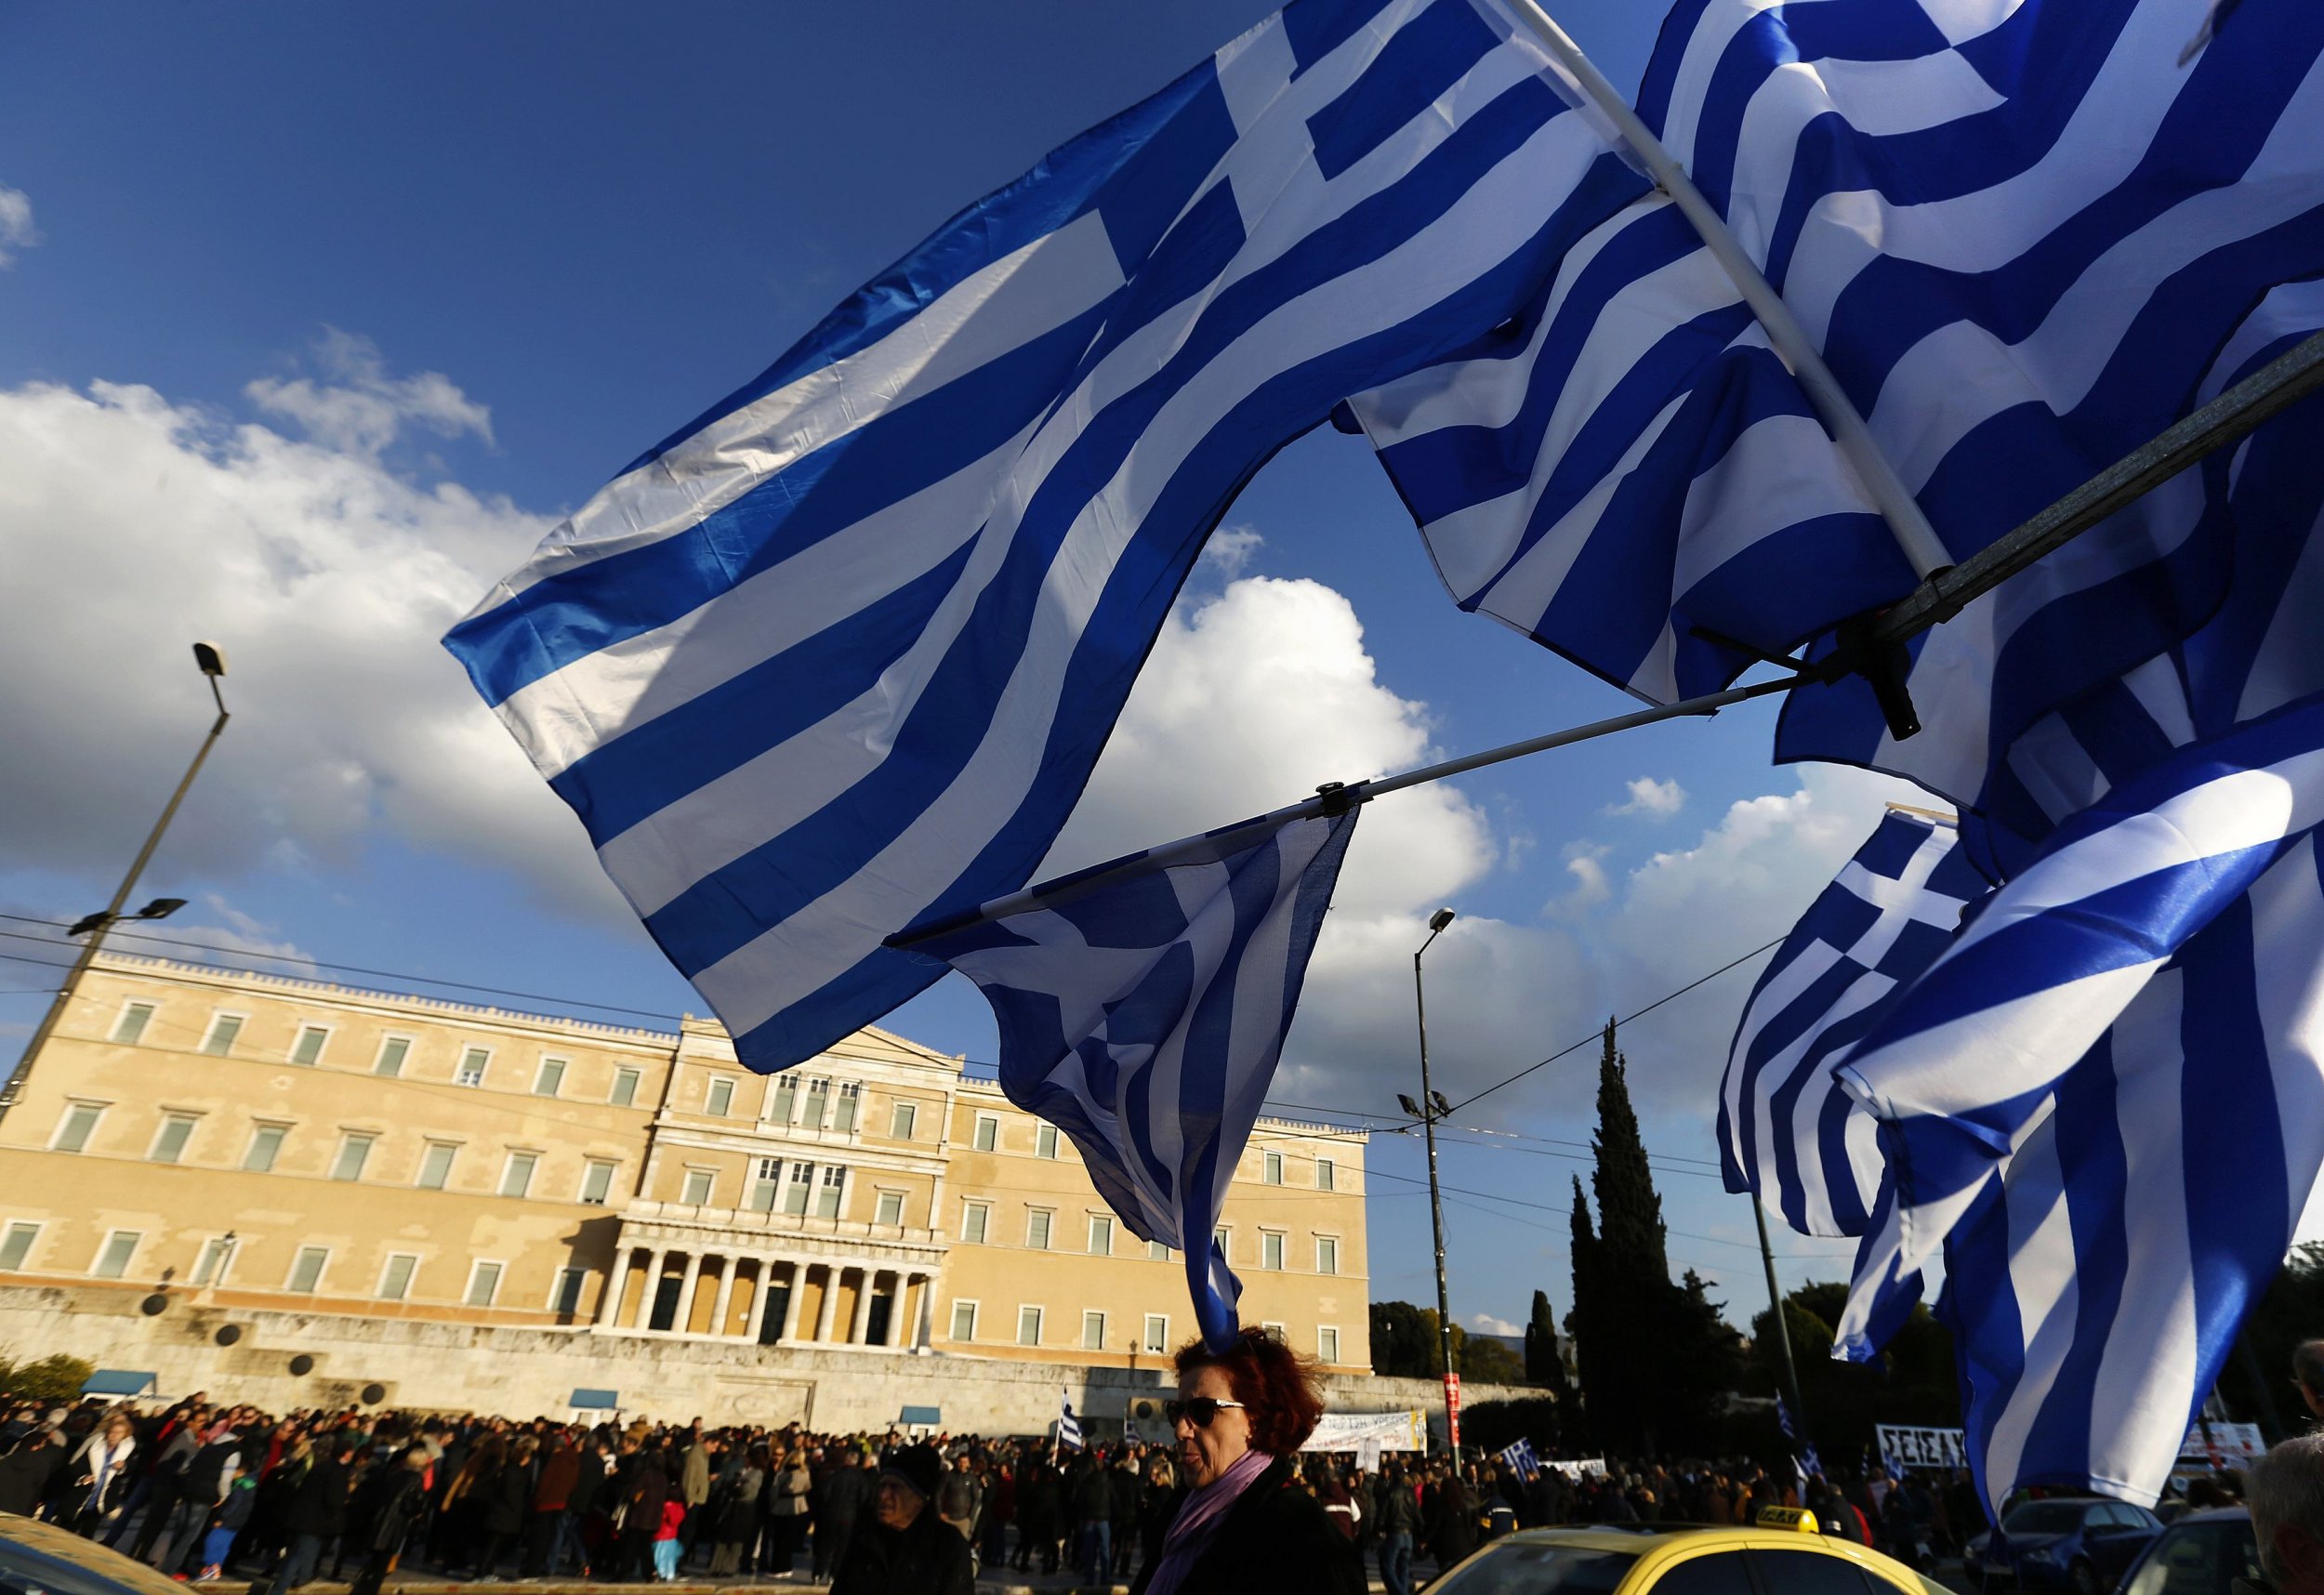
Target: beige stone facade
244, 1144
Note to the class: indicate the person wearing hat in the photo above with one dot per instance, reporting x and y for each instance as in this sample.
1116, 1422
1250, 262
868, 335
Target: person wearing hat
907, 1549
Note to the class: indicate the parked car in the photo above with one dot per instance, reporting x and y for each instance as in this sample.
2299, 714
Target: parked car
2083, 1546
2200, 1553
41, 1559
1782, 1554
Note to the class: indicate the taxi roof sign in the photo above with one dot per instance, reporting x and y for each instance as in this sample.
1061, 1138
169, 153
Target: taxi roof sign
1787, 1518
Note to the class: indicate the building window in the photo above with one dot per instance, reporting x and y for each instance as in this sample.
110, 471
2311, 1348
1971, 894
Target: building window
307, 1048
1028, 1326
435, 1165
392, 1051
964, 1321
766, 1180
834, 1189
551, 1078
16, 1245
889, 1209
516, 1175
130, 1027
209, 1269
974, 1218
987, 1135
700, 1182
818, 1099
1045, 1140
718, 1099
1326, 1254
1158, 1332
266, 1145
307, 1270
395, 1280
850, 1102
355, 1152
1222, 1238
170, 1144
219, 1040
565, 1299
1036, 1225
1271, 1249
1271, 1167
1328, 1344
1327, 1174
471, 1069
906, 1120
1100, 1235
783, 1106
1094, 1331
1158, 1251
112, 1258
795, 1195
1273, 1331
597, 1181
78, 1124
625, 1087
484, 1283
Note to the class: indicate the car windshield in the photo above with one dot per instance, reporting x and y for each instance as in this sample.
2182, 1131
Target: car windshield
2046, 1517
1524, 1567
2198, 1559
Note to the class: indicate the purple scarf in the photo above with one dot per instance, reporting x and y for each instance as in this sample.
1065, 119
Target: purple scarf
1197, 1521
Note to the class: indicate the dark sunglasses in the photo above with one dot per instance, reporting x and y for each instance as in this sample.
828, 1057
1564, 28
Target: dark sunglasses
1199, 1410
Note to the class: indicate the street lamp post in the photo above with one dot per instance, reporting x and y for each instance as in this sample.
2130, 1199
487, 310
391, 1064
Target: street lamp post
211, 661
1430, 1108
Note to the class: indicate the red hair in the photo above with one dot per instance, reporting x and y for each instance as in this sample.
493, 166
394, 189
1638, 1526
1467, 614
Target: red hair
1272, 1382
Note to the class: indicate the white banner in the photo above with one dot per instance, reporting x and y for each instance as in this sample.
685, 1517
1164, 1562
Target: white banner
2237, 1444
1352, 1430
1910, 1447
1589, 1468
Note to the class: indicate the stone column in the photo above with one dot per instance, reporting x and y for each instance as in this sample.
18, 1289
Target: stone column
757, 1327
858, 1331
790, 1331
609, 1308
681, 1320
725, 1297
652, 1292
895, 1309
925, 1312
829, 1309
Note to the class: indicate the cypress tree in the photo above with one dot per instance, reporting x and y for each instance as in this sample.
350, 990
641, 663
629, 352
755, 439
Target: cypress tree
1545, 1363
1629, 1212
1584, 1324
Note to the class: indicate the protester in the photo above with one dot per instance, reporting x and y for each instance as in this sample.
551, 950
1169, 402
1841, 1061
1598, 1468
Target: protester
907, 1549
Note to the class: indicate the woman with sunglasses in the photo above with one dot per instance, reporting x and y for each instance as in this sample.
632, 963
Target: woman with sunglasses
1241, 1523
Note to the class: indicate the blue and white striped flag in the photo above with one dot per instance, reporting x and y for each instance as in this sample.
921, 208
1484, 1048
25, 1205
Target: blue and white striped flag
1786, 1133
1783, 1419
1143, 1013
1068, 1426
1519, 1455
842, 652
2018, 234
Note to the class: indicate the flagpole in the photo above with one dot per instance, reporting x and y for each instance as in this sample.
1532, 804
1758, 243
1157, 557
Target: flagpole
1923, 548
1783, 1329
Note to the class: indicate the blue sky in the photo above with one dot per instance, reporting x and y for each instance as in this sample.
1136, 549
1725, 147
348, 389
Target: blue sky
313, 320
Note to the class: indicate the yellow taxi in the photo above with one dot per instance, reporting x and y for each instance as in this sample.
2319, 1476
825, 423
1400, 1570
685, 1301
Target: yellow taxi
1783, 1553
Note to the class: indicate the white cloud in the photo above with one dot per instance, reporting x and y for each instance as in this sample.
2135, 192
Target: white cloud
360, 409
1485, 1324
1591, 886
1229, 550
17, 230
1652, 799
328, 579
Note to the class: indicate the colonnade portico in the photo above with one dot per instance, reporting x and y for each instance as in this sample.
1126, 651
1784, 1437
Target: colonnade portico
742, 1286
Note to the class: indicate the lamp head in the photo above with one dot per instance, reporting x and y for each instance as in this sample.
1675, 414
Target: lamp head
1439, 919
1443, 1106
161, 908
88, 922
1410, 1107
209, 658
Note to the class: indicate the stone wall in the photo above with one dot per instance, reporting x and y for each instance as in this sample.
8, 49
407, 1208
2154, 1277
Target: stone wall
522, 1372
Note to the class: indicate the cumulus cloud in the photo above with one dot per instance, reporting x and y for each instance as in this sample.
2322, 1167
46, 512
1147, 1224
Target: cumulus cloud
328, 578
1591, 887
1229, 550
16, 232
1485, 1324
357, 408
1653, 799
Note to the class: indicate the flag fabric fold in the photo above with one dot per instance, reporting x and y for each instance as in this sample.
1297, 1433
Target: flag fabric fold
841, 653
1143, 1012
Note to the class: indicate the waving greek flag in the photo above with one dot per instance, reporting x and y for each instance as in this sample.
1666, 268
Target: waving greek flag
1787, 1132
1068, 1426
2018, 234
842, 652
1519, 1455
1142, 1010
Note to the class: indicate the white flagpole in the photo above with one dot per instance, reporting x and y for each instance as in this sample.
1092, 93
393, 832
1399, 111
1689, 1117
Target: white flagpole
1910, 528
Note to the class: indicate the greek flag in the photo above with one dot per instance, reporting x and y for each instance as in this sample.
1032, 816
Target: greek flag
1522, 1461
1783, 1419
2098, 1262
1143, 1010
1786, 1133
841, 653
1068, 1426
2018, 234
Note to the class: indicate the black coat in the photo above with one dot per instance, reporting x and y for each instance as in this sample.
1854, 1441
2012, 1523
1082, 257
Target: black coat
1273, 1540
930, 1558
319, 1507
26, 1473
